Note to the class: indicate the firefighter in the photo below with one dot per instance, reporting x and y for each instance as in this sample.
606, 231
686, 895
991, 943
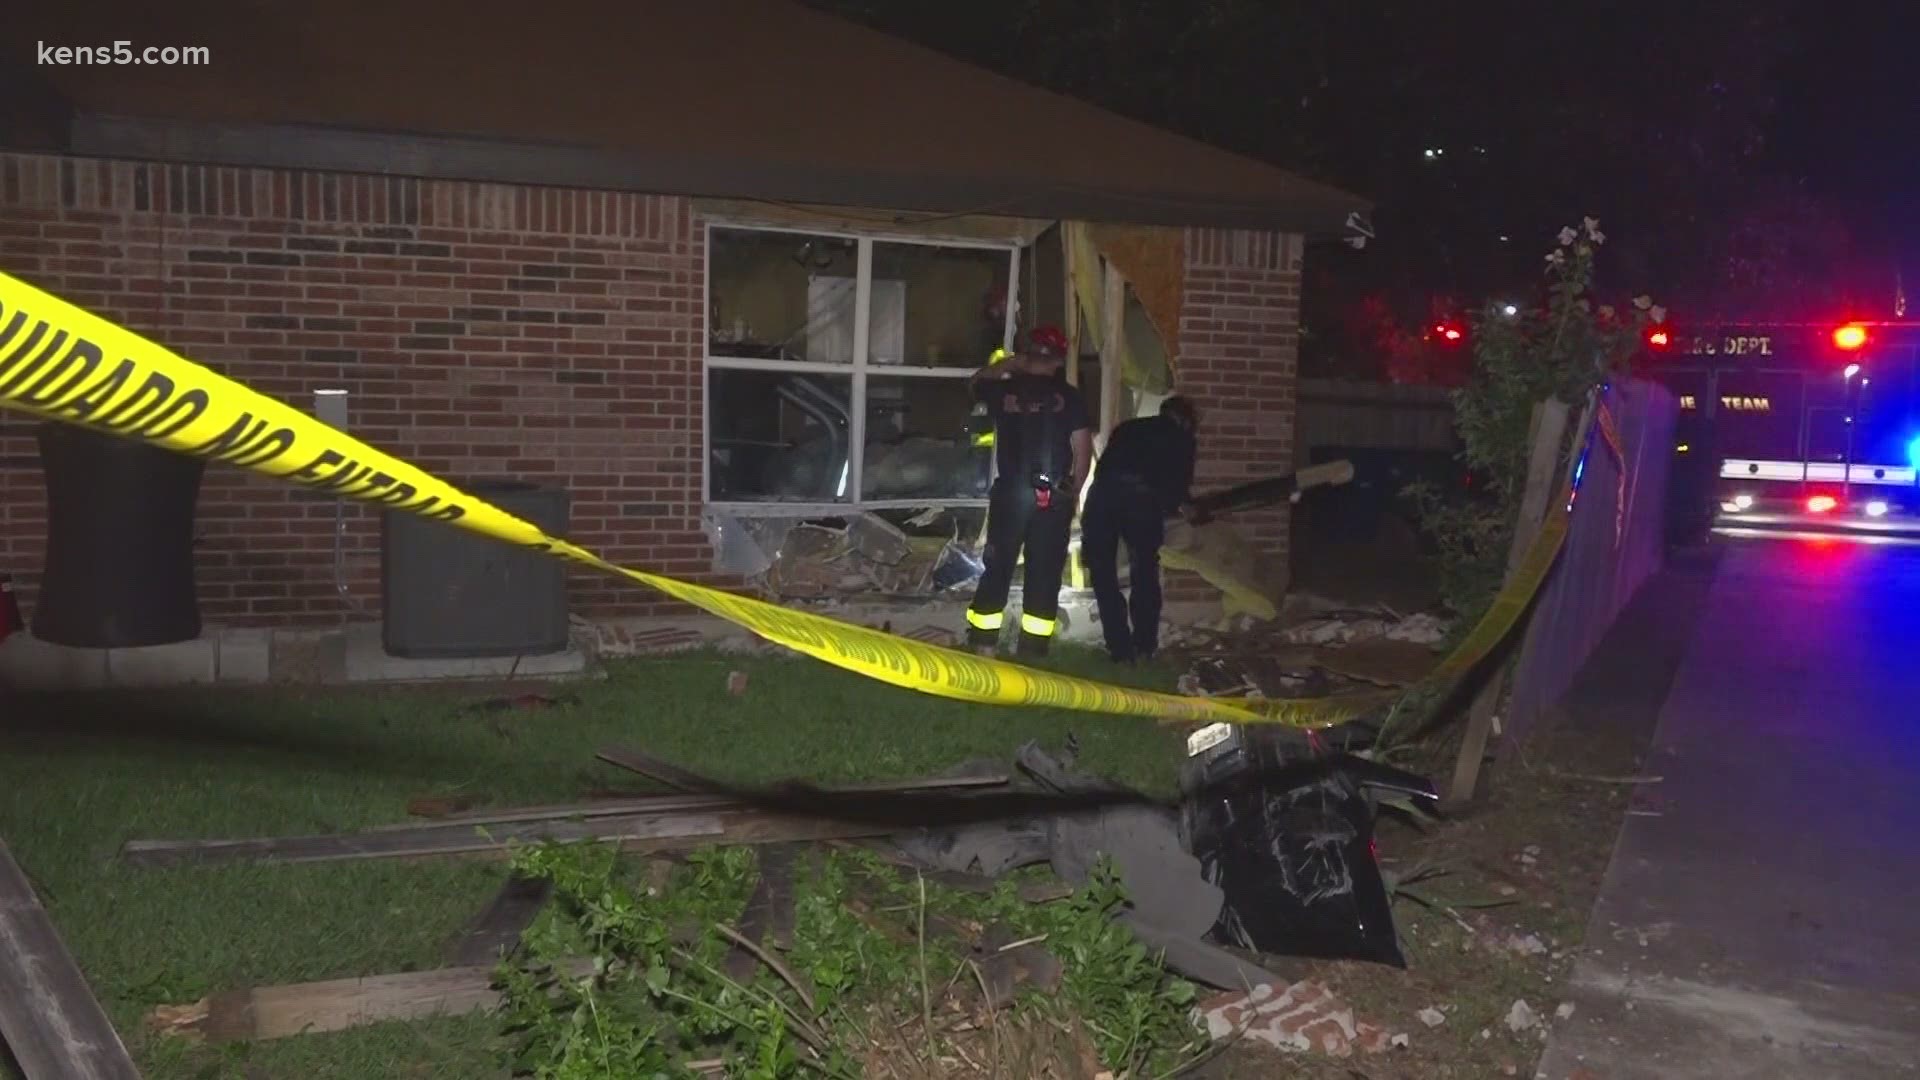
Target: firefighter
1145, 477
1043, 447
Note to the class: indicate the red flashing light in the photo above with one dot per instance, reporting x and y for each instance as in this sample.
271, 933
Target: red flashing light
1448, 332
1820, 504
1659, 339
1850, 337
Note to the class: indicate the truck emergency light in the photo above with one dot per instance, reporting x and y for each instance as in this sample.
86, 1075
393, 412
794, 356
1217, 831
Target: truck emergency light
1820, 504
1850, 337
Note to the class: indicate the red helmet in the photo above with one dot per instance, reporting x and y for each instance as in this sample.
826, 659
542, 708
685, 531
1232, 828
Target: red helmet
1049, 341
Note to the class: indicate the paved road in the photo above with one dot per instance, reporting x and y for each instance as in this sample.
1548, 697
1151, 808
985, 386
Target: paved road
1761, 917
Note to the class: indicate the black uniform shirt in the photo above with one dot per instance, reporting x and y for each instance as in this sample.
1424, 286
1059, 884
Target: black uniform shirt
1154, 452
1034, 418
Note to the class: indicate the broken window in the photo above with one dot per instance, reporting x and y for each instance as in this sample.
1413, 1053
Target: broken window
919, 442
777, 435
807, 406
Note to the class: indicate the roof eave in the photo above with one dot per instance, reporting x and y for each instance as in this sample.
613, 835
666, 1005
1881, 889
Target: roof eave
1322, 212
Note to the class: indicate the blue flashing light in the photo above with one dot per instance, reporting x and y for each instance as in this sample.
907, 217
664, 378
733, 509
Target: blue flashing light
1913, 452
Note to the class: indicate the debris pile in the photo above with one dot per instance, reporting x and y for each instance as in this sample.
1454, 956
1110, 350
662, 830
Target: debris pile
1303, 1017
1327, 652
824, 558
1205, 913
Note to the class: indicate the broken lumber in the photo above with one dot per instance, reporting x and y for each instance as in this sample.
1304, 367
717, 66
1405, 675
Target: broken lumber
1549, 425
276, 1012
495, 932
769, 912
50, 1020
653, 768
659, 804
445, 838
667, 832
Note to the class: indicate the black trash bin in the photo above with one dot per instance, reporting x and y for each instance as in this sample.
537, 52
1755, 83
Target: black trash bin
448, 593
119, 569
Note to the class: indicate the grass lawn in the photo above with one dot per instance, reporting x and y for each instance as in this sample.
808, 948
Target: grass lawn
81, 774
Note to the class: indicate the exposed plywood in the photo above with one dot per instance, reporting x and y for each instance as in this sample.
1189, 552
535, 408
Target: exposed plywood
1153, 261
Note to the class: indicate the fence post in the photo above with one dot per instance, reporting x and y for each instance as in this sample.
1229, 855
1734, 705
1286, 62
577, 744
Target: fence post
1549, 427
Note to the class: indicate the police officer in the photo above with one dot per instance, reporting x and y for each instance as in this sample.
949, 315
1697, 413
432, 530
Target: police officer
1144, 478
1043, 447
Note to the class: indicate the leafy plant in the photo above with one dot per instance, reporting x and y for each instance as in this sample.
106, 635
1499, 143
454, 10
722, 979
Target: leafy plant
864, 972
1557, 350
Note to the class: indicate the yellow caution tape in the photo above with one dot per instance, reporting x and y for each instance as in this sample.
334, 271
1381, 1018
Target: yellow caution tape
62, 363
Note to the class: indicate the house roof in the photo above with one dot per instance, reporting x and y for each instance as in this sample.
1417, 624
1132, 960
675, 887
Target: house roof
759, 99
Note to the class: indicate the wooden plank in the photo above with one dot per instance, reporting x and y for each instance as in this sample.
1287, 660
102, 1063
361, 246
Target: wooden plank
50, 1020
276, 1012
592, 808
772, 892
495, 932
451, 838
643, 834
1073, 305
654, 768
1549, 427
1113, 373
647, 765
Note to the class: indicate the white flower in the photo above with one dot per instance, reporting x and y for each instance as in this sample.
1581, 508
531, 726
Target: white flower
1643, 302
1657, 313
1592, 225
1556, 257
1568, 236
1597, 236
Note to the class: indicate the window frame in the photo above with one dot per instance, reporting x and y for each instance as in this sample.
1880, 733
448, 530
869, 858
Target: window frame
859, 370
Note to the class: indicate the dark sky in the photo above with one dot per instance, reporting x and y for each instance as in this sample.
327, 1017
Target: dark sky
1849, 108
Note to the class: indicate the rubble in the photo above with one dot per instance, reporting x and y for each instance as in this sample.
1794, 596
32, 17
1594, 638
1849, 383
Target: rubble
1347, 627
1304, 1017
861, 554
1564, 1011
1431, 1016
1325, 652
1522, 944
1521, 1017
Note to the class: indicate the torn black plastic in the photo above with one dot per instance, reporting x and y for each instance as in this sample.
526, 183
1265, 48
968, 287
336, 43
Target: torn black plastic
1290, 844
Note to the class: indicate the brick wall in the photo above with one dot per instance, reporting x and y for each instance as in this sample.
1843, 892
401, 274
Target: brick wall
1239, 361
490, 330
482, 330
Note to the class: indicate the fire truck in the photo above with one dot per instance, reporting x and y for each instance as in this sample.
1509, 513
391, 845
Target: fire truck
1793, 426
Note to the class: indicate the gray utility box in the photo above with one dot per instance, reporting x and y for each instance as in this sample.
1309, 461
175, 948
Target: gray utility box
448, 593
